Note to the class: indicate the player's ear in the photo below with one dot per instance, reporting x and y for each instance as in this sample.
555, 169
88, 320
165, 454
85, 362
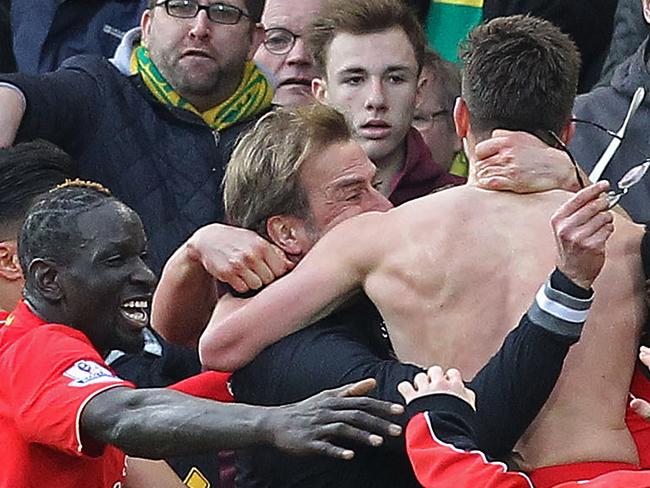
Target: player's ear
45, 277
287, 232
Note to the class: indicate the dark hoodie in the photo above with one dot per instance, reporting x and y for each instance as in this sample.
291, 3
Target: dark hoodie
607, 106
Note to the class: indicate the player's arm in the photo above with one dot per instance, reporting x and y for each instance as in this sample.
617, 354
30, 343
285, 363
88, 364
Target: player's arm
63, 107
523, 163
441, 439
145, 473
159, 423
187, 292
335, 267
13, 106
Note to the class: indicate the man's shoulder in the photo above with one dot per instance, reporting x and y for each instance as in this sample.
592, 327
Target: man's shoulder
93, 65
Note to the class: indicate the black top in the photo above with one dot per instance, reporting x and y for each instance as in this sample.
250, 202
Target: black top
343, 348
348, 346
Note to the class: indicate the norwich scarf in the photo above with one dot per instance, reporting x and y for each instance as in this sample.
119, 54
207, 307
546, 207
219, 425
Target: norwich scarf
253, 95
449, 22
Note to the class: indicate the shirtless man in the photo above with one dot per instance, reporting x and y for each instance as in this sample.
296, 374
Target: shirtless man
409, 263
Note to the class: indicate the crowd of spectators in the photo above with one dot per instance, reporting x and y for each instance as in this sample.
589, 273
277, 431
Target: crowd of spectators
248, 242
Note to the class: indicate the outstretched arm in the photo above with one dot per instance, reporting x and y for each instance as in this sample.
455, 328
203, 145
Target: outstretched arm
157, 423
335, 267
187, 292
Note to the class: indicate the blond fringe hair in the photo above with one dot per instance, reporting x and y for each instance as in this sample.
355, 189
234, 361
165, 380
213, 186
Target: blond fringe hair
263, 176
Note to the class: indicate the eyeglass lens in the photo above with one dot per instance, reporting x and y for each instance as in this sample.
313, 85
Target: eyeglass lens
629, 179
279, 40
217, 12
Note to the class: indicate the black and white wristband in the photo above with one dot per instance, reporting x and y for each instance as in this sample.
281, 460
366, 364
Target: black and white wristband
557, 308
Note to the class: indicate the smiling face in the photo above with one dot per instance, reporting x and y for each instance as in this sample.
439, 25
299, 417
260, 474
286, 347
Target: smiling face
372, 79
293, 71
204, 61
106, 286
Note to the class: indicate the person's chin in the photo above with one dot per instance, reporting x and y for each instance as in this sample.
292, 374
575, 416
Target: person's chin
293, 96
377, 149
130, 341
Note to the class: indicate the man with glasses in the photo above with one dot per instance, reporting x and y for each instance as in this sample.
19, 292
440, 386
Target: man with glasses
284, 53
162, 120
409, 263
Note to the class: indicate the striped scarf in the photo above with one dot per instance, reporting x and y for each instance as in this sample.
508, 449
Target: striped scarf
449, 22
253, 95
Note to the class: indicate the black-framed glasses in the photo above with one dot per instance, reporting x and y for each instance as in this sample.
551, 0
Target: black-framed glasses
221, 13
278, 40
559, 144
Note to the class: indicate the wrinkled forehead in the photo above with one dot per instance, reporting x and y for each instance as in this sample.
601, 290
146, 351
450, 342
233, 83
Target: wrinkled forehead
294, 15
337, 165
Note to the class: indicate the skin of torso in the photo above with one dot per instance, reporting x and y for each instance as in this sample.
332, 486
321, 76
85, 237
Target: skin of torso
457, 271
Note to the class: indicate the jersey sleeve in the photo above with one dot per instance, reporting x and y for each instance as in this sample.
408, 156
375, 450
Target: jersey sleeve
211, 385
52, 375
442, 465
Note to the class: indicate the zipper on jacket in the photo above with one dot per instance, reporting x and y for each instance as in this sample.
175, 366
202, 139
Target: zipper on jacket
217, 137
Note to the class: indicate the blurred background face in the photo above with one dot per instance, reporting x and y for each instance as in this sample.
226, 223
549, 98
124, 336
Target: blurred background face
372, 79
285, 22
434, 120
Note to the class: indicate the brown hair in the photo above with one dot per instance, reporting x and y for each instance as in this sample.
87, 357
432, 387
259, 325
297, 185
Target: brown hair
358, 17
263, 176
445, 79
520, 73
254, 7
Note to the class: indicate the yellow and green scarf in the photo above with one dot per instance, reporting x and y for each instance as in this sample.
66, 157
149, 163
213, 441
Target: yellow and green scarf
253, 95
449, 22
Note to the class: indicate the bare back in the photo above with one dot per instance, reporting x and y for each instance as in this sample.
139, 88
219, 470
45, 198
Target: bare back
464, 267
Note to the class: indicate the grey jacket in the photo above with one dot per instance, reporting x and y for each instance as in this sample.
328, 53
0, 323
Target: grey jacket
607, 106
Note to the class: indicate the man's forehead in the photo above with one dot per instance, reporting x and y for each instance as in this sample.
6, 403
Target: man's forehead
107, 219
388, 49
339, 164
290, 14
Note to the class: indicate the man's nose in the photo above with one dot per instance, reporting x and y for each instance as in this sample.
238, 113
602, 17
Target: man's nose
200, 25
374, 97
299, 55
142, 274
380, 202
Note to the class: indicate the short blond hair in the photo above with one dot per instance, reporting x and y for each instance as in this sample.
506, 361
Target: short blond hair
263, 176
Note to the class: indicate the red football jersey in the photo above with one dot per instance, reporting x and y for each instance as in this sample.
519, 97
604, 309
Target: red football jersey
48, 373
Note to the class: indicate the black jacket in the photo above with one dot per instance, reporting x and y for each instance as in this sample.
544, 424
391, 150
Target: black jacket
163, 162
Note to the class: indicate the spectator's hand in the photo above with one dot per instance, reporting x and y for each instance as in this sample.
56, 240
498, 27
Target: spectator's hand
238, 257
582, 226
435, 380
315, 425
520, 162
639, 405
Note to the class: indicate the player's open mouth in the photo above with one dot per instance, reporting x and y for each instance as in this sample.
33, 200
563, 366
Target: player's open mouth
136, 312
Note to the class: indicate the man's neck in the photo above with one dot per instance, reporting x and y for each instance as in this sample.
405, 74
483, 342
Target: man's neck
389, 166
468, 147
204, 103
